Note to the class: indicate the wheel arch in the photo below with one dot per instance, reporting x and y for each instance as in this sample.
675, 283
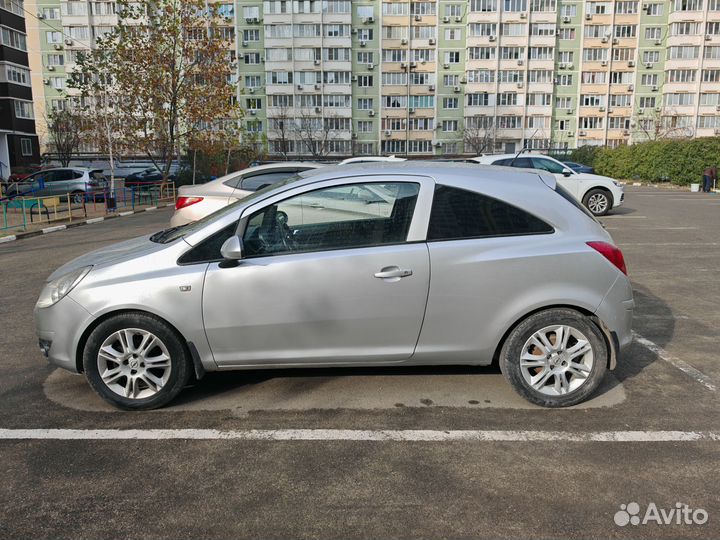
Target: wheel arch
190, 349
610, 339
599, 188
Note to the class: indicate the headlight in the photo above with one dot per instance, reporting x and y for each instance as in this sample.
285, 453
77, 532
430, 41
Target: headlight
54, 291
617, 184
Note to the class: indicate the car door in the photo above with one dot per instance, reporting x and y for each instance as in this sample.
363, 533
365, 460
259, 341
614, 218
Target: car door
570, 182
323, 283
42, 183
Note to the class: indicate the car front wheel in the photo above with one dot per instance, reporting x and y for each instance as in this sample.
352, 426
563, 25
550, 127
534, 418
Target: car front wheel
555, 358
136, 361
598, 201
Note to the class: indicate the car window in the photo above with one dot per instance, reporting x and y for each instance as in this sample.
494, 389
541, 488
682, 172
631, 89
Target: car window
77, 175
97, 175
209, 249
62, 175
338, 217
259, 181
502, 162
548, 165
459, 213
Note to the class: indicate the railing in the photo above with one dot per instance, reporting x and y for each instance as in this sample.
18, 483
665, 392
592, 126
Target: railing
25, 210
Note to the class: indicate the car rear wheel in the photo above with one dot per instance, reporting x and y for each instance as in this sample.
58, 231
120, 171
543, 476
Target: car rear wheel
77, 197
555, 358
598, 201
136, 361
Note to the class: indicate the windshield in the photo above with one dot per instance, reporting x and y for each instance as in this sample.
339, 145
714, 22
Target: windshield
173, 233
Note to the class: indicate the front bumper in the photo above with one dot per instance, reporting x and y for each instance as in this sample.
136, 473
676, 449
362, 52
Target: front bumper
59, 328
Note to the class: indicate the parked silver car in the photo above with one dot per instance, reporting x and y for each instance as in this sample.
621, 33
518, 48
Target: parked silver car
333, 268
75, 182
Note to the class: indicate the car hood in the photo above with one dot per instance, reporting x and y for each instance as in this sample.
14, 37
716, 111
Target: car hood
596, 177
112, 254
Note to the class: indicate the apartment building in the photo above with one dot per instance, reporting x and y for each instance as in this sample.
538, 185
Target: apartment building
444, 77
18, 138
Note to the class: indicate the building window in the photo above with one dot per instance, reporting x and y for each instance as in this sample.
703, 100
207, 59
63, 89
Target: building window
24, 109
13, 38
26, 147
450, 103
17, 75
51, 14
365, 81
450, 126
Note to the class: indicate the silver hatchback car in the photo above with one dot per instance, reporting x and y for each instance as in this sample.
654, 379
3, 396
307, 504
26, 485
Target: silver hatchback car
376, 264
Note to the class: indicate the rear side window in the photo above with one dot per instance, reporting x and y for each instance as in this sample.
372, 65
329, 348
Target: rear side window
519, 162
259, 181
459, 213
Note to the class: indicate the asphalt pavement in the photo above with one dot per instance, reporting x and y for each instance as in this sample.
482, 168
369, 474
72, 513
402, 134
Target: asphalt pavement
375, 453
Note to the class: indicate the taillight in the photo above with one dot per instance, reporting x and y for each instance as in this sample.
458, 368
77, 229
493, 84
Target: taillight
183, 202
611, 253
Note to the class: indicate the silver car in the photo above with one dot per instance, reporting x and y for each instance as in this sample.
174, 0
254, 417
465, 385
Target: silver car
333, 268
75, 182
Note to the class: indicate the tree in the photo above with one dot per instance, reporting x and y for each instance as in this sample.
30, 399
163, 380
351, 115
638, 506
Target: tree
281, 125
64, 133
166, 68
315, 133
656, 126
479, 134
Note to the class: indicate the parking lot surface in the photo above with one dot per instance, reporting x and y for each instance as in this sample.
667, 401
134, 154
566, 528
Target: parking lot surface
382, 453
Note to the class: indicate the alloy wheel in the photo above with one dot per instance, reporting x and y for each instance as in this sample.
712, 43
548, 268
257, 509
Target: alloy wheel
556, 360
134, 363
598, 203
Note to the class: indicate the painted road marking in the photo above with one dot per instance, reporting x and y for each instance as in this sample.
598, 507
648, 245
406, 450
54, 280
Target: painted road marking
412, 435
680, 364
48, 230
623, 217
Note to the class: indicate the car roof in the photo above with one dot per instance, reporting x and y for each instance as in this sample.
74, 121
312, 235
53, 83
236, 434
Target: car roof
446, 173
83, 169
492, 157
370, 159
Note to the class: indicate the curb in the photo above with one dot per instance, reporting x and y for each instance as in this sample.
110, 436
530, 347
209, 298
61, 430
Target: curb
57, 228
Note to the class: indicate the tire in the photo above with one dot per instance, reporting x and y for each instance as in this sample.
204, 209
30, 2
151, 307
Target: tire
598, 201
76, 197
140, 373
543, 370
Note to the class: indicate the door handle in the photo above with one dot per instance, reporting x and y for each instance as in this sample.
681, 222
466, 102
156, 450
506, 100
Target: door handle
393, 272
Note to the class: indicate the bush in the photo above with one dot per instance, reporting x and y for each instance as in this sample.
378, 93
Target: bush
585, 155
678, 161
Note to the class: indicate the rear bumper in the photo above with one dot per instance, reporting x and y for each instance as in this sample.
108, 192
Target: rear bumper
615, 313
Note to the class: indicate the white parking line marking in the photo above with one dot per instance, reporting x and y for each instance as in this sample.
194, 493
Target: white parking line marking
411, 435
680, 364
623, 217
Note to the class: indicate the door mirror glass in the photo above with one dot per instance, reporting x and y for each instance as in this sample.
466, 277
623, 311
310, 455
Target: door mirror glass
567, 172
232, 249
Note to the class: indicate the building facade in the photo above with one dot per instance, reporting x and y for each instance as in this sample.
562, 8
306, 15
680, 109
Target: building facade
18, 138
444, 77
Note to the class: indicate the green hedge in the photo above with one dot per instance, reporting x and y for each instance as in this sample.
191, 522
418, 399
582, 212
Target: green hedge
676, 161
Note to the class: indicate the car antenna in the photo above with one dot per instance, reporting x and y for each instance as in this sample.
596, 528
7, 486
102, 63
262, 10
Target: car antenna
523, 149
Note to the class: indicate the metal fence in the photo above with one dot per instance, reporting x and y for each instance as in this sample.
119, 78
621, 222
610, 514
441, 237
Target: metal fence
25, 211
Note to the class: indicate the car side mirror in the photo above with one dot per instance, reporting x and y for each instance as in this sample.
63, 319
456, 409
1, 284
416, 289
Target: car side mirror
232, 248
566, 172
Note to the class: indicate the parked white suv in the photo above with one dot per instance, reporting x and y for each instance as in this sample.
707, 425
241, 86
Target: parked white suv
599, 194
195, 202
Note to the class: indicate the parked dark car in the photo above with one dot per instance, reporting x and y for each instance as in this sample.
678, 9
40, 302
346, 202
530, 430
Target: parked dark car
148, 176
579, 167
